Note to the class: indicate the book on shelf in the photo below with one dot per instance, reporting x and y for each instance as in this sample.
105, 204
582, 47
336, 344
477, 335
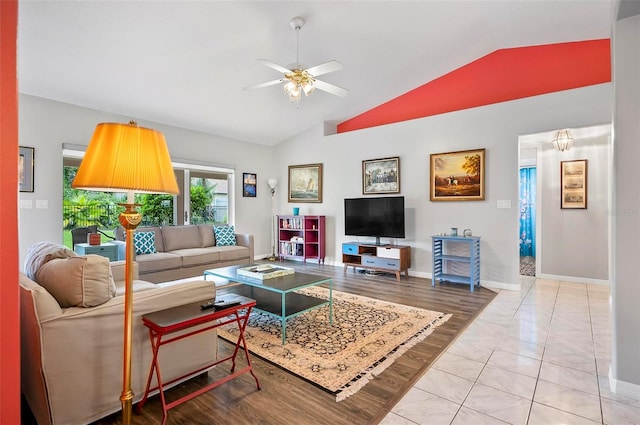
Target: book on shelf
265, 271
291, 248
291, 223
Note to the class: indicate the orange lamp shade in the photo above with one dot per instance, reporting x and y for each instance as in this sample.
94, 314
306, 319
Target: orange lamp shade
126, 158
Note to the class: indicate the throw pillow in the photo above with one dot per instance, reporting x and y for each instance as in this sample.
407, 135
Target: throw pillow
78, 281
144, 242
225, 235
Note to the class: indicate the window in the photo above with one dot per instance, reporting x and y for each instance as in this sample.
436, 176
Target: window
206, 200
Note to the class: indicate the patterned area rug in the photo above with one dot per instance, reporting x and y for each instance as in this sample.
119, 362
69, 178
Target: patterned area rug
366, 337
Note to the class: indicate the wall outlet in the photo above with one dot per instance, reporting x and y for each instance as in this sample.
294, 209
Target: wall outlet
26, 203
504, 203
42, 203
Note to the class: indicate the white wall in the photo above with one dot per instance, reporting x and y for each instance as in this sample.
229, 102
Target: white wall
495, 128
625, 367
46, 125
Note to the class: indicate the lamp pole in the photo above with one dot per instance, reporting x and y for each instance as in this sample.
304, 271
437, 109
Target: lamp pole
127, 158
130, 218
274, 224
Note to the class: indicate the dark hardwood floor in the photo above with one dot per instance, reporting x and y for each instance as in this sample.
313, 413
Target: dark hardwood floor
285, 399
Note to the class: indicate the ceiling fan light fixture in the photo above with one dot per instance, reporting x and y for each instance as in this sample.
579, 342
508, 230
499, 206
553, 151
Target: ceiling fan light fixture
308, 88
298, 78
293, 90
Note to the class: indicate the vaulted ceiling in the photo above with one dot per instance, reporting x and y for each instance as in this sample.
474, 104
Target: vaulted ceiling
185, 63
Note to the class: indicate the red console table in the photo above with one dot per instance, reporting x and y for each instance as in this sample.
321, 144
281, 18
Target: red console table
166, 322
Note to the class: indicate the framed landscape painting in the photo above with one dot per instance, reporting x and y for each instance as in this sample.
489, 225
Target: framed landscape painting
457, 176
573, 184
305, 183
381, 176
249, 185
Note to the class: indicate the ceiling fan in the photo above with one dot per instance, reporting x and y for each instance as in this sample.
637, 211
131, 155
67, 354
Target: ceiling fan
299, 79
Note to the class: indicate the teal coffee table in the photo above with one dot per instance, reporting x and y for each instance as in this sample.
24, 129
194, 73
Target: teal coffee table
276, 296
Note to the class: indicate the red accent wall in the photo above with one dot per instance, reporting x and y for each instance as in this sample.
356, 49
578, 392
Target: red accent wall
9, 302
503, 75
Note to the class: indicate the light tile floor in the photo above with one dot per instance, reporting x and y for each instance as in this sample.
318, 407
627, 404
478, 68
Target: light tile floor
538, 356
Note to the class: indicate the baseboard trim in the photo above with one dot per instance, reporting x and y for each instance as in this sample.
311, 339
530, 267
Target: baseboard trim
623, 388
500, 285
575, 279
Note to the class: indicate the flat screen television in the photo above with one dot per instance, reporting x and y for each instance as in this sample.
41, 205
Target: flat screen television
375, 217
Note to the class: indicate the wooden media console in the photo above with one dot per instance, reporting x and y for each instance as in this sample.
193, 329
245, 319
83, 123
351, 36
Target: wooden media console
385, 258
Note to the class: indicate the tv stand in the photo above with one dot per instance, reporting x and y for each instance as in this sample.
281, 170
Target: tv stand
385, 258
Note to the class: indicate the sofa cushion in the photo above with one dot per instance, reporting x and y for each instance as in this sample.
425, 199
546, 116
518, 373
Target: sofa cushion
181, 237
41, 252
159, 261
225, 235
78, 281
144, 242
197, 256
137, 286
206, 235
232, 253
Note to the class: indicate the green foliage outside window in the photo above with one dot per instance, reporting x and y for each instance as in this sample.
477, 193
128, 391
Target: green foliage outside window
83, 208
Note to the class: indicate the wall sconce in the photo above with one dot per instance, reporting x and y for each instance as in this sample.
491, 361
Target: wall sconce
562, 140
272, 184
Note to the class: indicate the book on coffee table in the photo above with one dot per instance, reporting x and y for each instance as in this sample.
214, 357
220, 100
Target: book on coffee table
265, 271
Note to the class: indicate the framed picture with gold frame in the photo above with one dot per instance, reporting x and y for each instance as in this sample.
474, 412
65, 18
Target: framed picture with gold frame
573, 184
305, 183
457, 176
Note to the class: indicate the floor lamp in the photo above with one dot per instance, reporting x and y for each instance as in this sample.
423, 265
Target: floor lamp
131, 159
274, 223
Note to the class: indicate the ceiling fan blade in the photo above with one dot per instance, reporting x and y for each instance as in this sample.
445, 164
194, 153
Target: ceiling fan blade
324, 68
275, 66
330, 88
267, 84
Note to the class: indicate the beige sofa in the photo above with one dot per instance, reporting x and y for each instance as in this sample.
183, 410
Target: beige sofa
71, 358
186, 251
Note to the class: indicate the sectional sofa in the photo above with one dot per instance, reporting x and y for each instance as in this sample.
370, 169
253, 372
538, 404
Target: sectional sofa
179, 252
71, 328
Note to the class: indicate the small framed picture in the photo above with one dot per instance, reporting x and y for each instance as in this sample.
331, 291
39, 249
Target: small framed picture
381, 176
305, 183
573, 184
25, 168
249, 185
457, 176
